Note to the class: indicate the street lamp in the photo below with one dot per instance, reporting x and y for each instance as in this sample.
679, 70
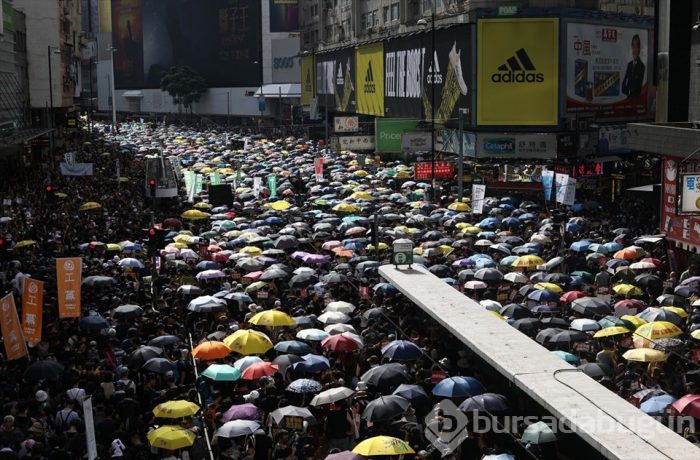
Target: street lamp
51, 50
422, 24
112, 50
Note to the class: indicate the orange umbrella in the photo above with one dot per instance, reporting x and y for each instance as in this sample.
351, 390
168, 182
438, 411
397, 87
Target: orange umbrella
629, 253
342, 252
257, 370
211, 350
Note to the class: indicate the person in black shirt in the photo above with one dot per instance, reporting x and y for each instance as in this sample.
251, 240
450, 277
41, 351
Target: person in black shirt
634, 75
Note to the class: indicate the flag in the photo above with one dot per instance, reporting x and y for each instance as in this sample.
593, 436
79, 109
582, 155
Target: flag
478, 195
15, 346
32, 309
272, 185
68, 278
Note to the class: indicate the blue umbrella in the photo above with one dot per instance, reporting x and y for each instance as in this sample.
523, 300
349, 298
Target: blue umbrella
572, 228
566, 356
94, 322
544, 308
487, 235
657, 405
486, 402
385, 289
511, 222
292, 346
274, 220
543, 295
489, 223
476, 257
524, 250
508, 261
612, 247
458, 387
614, 263
304, 386
207, 265
485, 263
599, 248
580, 246
527, 216
401, 350
312, 364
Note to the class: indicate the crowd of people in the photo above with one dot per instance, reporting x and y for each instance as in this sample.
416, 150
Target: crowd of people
262, 329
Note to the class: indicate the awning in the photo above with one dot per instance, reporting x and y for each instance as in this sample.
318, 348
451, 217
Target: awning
133, 94
644, 188
276, 90
23, 135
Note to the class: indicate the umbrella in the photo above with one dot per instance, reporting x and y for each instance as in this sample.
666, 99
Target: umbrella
383, 445
292, 346
385, 408
611, 331
340, 306
207, 304
272, 318
94, 322
143, 353
332, 395
645, 355
175, 409
278, 415
159, 365
386, 375
236, 428
590, 306
304, 386
98, 282
401, 350
245, 411
90, 205
127, 312
584, 325
222, 373
458, 387
657, 405
333, 317
566, 356
171, 437
657, 330
340, 342
248, 342
345, 455
211, 350
538, 433
44, 370
485, 402
257, 370
594, 370
189, 289
315, 335
688, 405
413, 393
164, 341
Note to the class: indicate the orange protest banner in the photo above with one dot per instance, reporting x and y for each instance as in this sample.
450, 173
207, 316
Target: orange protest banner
15, 347
68, 278
32, 303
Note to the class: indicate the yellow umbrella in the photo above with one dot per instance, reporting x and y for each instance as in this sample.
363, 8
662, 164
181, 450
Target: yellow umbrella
445, 249
178, 245
248, 342
113, 247
625, 289
695, 334
383, 445
403, 175
382, 246
472, 229
194, 214
181, 238
25, 244
89, 206
544, 286
252, 251
171, 437
497, 315
459, 206
361, 173
60, 195
658, 330
280, 205
531, 261
345, 207
362, 196
636, 321
175, 409
677, 310
611, 331
123, 179
272, 318
202, 205
645, 355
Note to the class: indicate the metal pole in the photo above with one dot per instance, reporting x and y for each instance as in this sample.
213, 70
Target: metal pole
50, 120
325, 100
460, 165
114, 97
228, 107
280, 101
432, 108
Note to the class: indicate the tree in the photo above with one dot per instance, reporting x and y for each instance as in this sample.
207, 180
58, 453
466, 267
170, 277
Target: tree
184, 85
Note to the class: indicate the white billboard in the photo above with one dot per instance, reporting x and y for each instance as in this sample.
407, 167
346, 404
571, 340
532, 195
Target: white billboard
690, 193
346, 124
286, 64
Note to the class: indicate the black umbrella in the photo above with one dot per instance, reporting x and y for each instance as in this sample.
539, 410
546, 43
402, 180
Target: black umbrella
159, 365
94, 322
414, 393
286, 242
488, 274
527, 325
249, 264
303, 279
545, 335
558, 278
385, 408
98, 281
566, 337
44, 370
386, 375
515, 311
595, 370
127, 312
485, 402
335, 278
164, 341
671, 300
143, 354
555, 322
590, 306
441, 271
649, 281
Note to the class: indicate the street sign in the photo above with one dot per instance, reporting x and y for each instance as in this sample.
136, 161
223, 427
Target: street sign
403, 252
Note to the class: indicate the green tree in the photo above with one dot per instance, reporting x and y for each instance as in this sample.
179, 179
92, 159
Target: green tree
184, 85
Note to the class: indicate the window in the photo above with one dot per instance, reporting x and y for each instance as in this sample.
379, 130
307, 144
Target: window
385, 16
363, 20
395, 11
375, 15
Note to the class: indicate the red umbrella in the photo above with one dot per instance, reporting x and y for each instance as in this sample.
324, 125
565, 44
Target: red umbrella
257, 370
652, 260
220, 257
340, 342
631, 303
213, 248
688, 405
172, 223
571, 296
231, 214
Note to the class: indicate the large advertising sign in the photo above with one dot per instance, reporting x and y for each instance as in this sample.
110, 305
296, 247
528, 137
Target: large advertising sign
285, 60
219, 39
403, 76
690, 194
518, 71
370, 79
284, 15
390, 131
681, 228
607, 70
325, 78
494, 145
344, 80
307, 79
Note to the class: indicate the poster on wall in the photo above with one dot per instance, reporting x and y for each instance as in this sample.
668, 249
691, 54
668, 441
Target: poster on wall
219, 39
681, 228
607, 70
284, 15
403, 75
344, 80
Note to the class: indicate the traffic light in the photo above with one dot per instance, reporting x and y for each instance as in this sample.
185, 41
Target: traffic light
152, 187
155, 239
3, 248
49, 188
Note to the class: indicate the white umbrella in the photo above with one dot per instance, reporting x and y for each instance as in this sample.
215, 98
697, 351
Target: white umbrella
340, 306
189, 254
130, 262
292, 411
331, 396
339, 328
312, 334
516, 277
584, 325
210, 274
206, 304
189, 289
333, 317
246, 361
236, 428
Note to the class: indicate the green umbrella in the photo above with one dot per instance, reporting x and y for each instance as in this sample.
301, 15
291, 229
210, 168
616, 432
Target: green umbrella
585, 275
209, 234
321, 202
228, 225
566, 356
222, 373
538, 433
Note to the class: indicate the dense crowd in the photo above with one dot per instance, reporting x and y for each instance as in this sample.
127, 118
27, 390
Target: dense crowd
265, 332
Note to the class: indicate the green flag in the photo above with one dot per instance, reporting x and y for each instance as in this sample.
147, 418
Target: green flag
272, 185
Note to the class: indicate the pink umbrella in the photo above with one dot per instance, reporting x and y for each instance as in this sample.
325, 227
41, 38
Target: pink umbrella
242, 412
688, 405
340, 342
257, 370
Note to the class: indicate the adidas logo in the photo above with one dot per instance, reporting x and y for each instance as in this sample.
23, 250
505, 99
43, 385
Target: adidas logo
518, 69
434, 76
370, 87
339, 80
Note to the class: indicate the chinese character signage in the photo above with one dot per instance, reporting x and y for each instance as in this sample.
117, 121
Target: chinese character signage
690, 194
15, 346
32, 311
69, 278
607, 70
443, 170
542, 146
356, 142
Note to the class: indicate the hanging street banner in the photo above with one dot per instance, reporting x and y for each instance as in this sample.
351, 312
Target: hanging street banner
32, 309
403, 75
307, 80
69, 279
547, 183
344, 80
518, 66
15, 346
354, 143
318, 168
272, 185
607, 70
478, 196
369, 78
325, 79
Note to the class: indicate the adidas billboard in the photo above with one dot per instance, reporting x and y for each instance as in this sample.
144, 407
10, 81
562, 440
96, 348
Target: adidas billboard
370, 87
518, 69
